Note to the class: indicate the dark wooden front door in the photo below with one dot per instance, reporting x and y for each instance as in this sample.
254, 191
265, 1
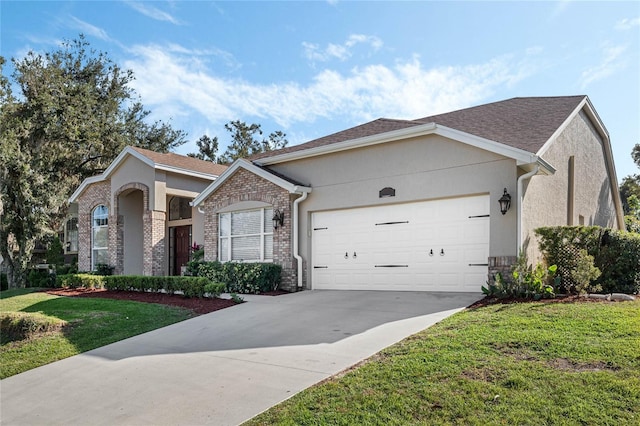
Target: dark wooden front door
182, 247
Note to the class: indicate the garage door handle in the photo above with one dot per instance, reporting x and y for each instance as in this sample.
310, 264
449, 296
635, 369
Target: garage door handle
320, 267
355, 255
441, 252
478, 264
392, 266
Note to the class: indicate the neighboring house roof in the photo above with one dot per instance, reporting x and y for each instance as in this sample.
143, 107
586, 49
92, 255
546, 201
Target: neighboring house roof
273, 177
522, 123
167, 162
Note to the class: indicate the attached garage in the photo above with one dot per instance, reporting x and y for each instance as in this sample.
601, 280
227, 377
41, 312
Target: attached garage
439, 245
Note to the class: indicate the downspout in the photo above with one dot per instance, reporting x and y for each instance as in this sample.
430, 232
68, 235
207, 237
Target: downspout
296, 230
521, 180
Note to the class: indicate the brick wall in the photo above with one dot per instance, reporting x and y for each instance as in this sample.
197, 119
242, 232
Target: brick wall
94, 195
502, 265
245, 186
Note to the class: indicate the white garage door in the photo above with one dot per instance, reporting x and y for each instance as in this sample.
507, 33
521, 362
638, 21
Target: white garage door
438, 245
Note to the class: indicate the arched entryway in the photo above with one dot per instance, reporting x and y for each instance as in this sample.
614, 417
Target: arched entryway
131, 204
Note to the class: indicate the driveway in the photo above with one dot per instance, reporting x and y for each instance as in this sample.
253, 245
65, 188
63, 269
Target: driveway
224, 367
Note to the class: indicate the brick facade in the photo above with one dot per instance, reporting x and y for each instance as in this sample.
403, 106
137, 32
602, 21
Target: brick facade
246, 186
95, 195
502, 265
154, 224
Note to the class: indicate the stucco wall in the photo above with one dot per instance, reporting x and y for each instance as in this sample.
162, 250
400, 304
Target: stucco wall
547, 198
132, 170
420, 169
131, 208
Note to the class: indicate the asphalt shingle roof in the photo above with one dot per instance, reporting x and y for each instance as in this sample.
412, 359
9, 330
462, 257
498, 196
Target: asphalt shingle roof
524, 123
183, 162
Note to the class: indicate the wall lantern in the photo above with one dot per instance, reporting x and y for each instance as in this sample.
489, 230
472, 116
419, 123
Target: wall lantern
505, 202
278, 219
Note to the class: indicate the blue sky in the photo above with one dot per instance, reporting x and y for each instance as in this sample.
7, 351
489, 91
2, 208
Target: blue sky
314, 68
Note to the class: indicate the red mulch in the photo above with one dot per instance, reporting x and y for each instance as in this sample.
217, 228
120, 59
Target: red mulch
196, 305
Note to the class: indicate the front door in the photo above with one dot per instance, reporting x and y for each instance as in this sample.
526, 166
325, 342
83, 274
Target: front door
182, 247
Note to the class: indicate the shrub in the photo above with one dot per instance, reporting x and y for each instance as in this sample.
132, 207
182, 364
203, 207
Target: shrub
4, 282
80, 280
525, 281
239, 277
104, 269
188, 286
40, 278
615, 253
585, 273
21, 325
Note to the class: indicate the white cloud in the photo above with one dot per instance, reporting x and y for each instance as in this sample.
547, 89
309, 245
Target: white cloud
89, 29
612, 61
405, 90
627, 24
315, 53
152, 12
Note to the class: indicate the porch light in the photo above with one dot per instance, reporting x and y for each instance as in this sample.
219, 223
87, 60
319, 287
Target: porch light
505, 202
278, 219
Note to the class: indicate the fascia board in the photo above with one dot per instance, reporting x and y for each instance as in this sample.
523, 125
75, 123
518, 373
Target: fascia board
240, 163
185, 172
394, 135
88, 181
521, 156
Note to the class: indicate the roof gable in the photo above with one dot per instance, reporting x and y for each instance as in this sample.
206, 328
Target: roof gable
522, 123
168, 162
275, 178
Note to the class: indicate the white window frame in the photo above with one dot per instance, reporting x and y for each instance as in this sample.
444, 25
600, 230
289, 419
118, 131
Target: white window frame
105, 217
265, 231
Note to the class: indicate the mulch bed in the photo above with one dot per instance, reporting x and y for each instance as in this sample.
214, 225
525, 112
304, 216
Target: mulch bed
196, 305
486, 301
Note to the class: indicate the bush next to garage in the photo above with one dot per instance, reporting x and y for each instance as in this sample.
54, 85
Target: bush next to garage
245, 278
188, 286
615, 253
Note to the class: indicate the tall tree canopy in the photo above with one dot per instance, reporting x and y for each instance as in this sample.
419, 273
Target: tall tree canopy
630, 194
73, 115
245, 141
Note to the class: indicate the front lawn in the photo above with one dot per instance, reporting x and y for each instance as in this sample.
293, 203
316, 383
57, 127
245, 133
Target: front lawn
91, 323
524, 364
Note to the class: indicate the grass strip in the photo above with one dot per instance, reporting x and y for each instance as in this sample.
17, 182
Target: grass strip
525, 364
90, 323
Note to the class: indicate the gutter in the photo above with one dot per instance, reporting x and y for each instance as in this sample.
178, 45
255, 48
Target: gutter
296, 232
521, 180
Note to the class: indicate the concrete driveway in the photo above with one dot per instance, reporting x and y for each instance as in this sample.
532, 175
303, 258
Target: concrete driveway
224, 367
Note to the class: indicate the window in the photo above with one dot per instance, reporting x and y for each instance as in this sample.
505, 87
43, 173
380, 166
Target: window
246, 235
179, 208
99, 236
72, 235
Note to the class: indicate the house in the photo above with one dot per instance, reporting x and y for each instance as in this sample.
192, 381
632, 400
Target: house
136, 216
434, 204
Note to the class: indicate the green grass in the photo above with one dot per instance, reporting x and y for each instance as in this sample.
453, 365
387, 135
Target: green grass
91, 323
524, 364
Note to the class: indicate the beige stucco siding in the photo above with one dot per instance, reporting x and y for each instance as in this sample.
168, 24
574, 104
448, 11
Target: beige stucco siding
547, 199
130, 171
419, 169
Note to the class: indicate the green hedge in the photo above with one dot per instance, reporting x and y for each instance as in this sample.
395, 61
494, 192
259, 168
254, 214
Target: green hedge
615, 253
4, 282
188, 286
244, 278
80, 280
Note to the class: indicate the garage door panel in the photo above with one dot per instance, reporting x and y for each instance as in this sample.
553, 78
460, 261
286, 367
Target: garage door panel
403, 235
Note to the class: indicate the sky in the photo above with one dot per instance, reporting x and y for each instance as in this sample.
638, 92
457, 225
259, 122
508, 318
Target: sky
312, 68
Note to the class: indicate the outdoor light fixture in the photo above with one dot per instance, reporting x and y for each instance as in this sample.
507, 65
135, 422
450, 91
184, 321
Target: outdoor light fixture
505, 202
278, 219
